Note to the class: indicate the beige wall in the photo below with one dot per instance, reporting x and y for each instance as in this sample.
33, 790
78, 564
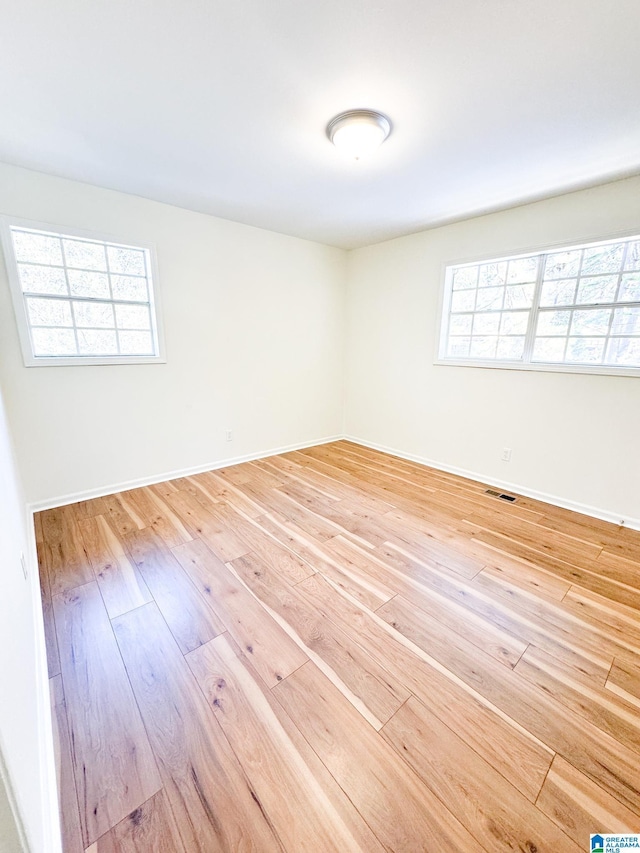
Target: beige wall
253, 329
25, 735
574, 437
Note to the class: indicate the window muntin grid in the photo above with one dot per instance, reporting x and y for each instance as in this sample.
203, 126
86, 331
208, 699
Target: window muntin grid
85, 298
578, 306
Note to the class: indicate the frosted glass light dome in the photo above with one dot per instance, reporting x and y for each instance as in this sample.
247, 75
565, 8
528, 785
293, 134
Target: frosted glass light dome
358, 133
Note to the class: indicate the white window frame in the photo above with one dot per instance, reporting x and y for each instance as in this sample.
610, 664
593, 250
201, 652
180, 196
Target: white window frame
444, 304
20, 309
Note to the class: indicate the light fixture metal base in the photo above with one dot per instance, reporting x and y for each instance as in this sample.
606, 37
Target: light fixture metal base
350, 116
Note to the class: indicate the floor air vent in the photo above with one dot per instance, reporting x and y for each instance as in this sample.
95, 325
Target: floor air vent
502, 497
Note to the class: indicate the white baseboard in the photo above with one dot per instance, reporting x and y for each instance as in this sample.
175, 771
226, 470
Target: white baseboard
555, 500
62, 500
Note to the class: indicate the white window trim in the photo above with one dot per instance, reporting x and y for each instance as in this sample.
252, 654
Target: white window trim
545, 367
19, 308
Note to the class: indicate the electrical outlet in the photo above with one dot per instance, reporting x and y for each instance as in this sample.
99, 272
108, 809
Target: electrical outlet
228, 435
506, 454
23, 563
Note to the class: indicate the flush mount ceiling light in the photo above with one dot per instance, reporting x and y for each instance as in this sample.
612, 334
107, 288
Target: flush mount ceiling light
358, 132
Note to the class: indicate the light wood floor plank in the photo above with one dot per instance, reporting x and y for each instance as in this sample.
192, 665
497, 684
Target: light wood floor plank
580, 807
624, 679
373, 690
401, 810
436, 622
541, 583
610, 713
114, 767
151, 827
223, 541
121, 584
190, 618
493, 811
213, 803
69, 812
299, 798
619, 622
88, 509
51, 642
273, 652
509, 748
121, 516
526, 618
67, 564
157, 514
370, 591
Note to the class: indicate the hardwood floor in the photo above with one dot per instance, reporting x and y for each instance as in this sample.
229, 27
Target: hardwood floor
338, 650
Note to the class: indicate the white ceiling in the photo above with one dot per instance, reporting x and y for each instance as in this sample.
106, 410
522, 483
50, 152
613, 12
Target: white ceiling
221, 105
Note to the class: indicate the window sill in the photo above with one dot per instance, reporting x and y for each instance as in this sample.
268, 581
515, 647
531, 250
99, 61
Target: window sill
595, 369
79, 361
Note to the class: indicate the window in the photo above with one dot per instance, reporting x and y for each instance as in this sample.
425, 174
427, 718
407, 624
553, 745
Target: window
575, 308
80, 299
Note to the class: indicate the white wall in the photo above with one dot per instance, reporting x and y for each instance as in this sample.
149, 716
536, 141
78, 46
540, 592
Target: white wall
574, 436
254, 335
25, 735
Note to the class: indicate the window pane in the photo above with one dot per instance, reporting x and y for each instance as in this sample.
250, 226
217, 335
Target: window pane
94, 314
486, 324
92, 284
602, 259
633, 256
84, 255
484, 347
511, 347
93, 342
53, 342
458, 347
465, 278
560, 292
136, 343
519, 296
587, 350
562, 264
34, 279
514, 323
493, 275
49, 312
523, 270
626, 321
460, 324
553, 323
591, 322
130, 261
624, 351
630, 288
596, 289
132, 317
490, 299
128, 288
37, 248
549, 349
463, 300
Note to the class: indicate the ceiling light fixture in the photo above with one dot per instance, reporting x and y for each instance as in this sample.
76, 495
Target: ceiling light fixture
358, 132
